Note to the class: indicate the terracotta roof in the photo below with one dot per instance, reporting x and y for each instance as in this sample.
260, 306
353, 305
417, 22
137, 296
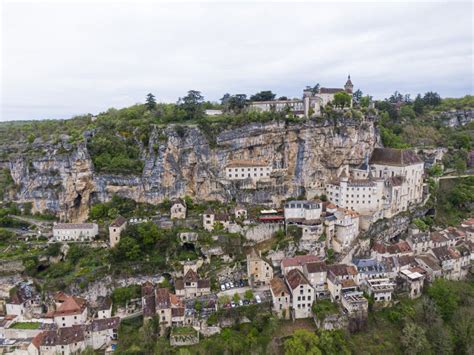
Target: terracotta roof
299, 260
348, 283
391, 156
147, 289
278, 286
75, 226
400, 247
296, 278
174, 300
72, 305
404, 260
60, 297
118, 222
246, 163
348, 212
177, 312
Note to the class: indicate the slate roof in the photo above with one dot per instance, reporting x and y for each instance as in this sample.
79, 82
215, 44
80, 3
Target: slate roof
98, 325
392, 156
118, 222
62, 336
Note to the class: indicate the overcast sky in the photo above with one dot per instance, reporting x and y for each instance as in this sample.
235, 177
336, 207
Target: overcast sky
59, 60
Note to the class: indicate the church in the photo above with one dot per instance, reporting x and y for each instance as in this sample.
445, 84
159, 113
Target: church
310, 105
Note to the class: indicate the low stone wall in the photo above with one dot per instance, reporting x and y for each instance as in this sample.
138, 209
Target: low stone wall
262, 232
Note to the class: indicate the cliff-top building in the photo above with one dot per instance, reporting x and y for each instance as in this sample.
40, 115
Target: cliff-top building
248, 169
310, 105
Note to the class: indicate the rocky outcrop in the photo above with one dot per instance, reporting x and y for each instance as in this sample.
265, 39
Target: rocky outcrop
62, 180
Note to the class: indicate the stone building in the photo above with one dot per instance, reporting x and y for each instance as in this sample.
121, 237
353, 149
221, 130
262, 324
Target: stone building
281, 298
346, 229
191, 286
178, 209
311, 104
259, 269
302, 294
71, 311
75, 232
115, 228
248, 169
301, 211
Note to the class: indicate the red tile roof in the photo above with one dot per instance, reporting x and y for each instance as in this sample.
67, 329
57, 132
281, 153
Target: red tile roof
299, 260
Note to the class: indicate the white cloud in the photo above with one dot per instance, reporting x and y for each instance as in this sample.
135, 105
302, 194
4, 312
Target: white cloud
63, 59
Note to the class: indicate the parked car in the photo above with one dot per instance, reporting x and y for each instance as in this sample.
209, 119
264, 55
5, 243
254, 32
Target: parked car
246, 302
227, 285
241, 303
258, 299
222, 287
231, 284
232, 304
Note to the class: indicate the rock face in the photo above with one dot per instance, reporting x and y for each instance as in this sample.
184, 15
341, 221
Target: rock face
303, 155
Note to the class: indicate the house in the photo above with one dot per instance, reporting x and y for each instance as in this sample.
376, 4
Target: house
431, 265
248, 169
455, 262
281, 298
66, 340
355, 304
101, 332
316, 273
240, 212
115, 229
178, 209
22, 300
75, 232
188, 237
104, 307
381, 289
300, 211
259, 269
420, 242
370, 269
302, 294
191, 286
381, 250
310, 105
412, 282
341, 277
297, 262
210, 218
72, 311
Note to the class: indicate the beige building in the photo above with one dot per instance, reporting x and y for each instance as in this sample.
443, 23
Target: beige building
310, 105
191, 286
75, 232
281, 298
178, 209
259, 270
72, 310
115, 229
248, 169
210, 218
346, 229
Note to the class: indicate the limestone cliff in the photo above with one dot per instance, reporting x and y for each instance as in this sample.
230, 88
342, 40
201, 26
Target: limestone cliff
304, 155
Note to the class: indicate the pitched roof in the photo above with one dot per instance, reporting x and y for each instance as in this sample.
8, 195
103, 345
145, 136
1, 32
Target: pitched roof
391, 156
61, 336
330, 90
178, 200
118, 222
315, 267
75, 226
342, 270
299, 260
278, 286
72, 305
203, 283
296, 278
162, 298
191, 276
98, 325
445, 253
246, 163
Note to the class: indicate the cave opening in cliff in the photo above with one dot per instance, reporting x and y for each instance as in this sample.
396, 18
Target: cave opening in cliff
77, 201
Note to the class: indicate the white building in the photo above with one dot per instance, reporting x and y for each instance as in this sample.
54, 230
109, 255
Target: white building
75, 232
247, 169
388, 184
303, 211
115, 229
316, 273
64, 341
310, 105
72, 311
381, 289
302, 294
346, 229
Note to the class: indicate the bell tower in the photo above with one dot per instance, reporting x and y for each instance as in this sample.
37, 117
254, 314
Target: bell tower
349, 86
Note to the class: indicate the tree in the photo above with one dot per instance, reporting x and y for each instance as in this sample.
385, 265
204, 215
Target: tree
414, 339
315, 88
357, 95
406, 111
302, 342
150, 102
192, 104
418, 105
237, 103
445, 298
396, 97
236, 298
432, 98
365, 101
283, 98
342, 99
333, 342
266, 95
248, 295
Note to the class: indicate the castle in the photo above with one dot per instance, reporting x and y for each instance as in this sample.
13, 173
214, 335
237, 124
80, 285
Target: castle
310, 105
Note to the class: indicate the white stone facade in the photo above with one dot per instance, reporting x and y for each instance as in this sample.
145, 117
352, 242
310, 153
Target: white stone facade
246, 169
75, 232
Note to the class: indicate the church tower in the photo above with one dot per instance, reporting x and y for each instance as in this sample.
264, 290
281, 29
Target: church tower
349, 86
